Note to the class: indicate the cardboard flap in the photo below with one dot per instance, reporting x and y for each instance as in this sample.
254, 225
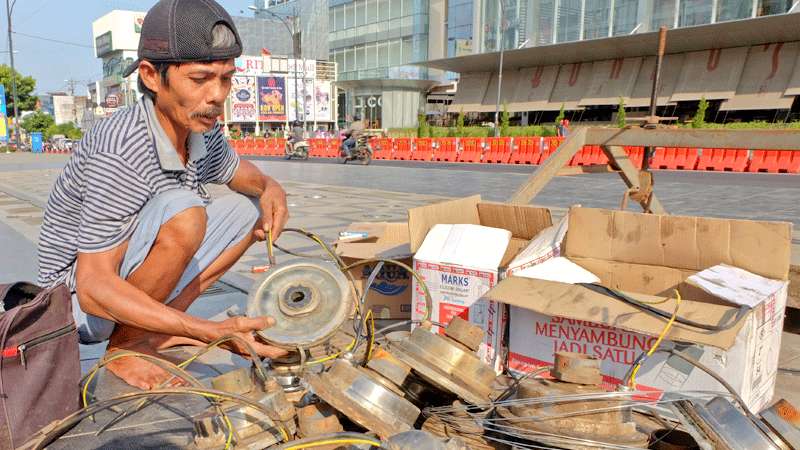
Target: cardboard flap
423, 218
577, 302
524, 222
465, 245
545, 244
690, 243
384, 240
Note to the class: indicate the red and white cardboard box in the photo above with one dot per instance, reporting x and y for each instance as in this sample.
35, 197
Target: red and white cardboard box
721, 268
461, 248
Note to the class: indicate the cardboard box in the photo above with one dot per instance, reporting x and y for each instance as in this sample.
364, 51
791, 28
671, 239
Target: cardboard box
389, 296
646, 257
461, 248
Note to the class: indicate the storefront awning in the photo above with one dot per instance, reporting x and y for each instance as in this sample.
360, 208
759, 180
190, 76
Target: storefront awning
765, 78
612, 79
471, 91
670, 71
713, 74
534, 88
573, 81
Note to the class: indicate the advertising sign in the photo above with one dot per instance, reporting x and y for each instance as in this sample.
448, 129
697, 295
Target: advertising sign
301, 106
322, 101
271, 99
243, 100
249, 65
103, 44
3, 117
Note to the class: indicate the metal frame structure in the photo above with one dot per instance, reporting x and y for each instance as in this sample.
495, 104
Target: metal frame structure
612, 141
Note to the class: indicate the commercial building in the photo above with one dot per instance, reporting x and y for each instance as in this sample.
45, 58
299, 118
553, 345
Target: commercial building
116, 41
270, 91
588, 55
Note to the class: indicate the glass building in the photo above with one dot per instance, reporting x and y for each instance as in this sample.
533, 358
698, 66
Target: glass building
543, 22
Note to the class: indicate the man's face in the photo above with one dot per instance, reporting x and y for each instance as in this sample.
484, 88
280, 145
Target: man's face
194, 96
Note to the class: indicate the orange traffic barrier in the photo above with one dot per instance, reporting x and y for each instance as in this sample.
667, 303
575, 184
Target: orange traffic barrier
402, 149
674, 158
471, 149
723, 159
526, 150
382, 148
589, 155
499, 150
775, 161
317, 148
635, 155
445, 149
423, 149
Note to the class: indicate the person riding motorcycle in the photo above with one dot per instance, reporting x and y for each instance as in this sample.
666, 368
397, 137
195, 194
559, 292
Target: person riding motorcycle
352, 134
297, 134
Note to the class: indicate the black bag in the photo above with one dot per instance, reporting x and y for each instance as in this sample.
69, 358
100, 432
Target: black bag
40, 364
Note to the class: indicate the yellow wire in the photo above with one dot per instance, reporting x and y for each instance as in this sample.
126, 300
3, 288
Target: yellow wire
229, 426
660, 338
350, 346
334, 441
371, 334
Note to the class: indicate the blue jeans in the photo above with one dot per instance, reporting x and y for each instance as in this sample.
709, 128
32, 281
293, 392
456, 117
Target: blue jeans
230, 219
348, 145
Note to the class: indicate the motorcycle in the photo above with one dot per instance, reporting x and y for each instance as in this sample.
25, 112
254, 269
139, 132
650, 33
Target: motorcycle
297, 149
361, 152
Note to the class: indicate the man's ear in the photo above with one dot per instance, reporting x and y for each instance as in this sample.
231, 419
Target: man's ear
150, 76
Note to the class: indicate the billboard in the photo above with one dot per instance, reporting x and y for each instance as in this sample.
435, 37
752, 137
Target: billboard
300, 106
3, 116
249, 65
271, 99
322, 101
244, 104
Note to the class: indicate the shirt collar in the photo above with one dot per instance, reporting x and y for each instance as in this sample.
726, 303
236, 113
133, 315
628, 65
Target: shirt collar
167, 155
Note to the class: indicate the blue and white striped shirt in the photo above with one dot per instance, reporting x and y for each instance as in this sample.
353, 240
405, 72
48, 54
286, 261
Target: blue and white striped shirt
120, 164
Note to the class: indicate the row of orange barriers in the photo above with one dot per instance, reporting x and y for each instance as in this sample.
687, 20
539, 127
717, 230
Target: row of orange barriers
533, 150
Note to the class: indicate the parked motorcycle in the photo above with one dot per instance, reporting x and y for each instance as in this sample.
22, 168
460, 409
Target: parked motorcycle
362, 151
297, 149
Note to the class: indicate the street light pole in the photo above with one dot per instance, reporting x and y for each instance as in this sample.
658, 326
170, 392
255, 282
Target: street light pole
500, 69
9, 9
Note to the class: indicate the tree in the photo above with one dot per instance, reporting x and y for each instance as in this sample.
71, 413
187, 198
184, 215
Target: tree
561, 115
25, 87
460, 123
699, 119
67, 129
423, 130
38, 121
621, 113
504, 121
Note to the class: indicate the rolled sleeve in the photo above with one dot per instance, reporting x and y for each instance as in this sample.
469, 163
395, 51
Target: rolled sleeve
113, 195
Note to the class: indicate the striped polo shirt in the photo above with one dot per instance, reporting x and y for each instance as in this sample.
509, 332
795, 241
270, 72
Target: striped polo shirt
124, 161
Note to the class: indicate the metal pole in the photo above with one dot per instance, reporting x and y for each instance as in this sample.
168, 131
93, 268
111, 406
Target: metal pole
652, 121
499, 72
13, 76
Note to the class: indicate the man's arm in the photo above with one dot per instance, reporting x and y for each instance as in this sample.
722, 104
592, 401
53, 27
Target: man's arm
103, 293
250, 181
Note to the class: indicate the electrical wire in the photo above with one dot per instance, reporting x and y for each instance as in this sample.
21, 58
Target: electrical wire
517, 381
330, 439
648, 308
52, 432
641, 360
414, 273
256, 360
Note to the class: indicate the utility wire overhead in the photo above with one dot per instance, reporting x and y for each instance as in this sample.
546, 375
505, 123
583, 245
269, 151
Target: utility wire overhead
57, 41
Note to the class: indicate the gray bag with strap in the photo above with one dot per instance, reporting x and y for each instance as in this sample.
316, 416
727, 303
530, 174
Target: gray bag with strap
40, 365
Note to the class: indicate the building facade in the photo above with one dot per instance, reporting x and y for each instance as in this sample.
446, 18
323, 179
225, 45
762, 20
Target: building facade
116, 43
517, 23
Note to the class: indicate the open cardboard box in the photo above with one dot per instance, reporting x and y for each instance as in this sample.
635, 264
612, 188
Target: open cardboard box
461, 263
389, 296
647, 257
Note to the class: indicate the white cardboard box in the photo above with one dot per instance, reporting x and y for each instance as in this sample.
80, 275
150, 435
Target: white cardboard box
461, 247
646, 257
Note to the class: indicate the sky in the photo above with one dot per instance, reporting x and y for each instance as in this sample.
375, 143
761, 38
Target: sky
69, 21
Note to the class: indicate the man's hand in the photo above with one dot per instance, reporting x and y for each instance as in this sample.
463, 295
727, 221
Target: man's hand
274, 211
244, 327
